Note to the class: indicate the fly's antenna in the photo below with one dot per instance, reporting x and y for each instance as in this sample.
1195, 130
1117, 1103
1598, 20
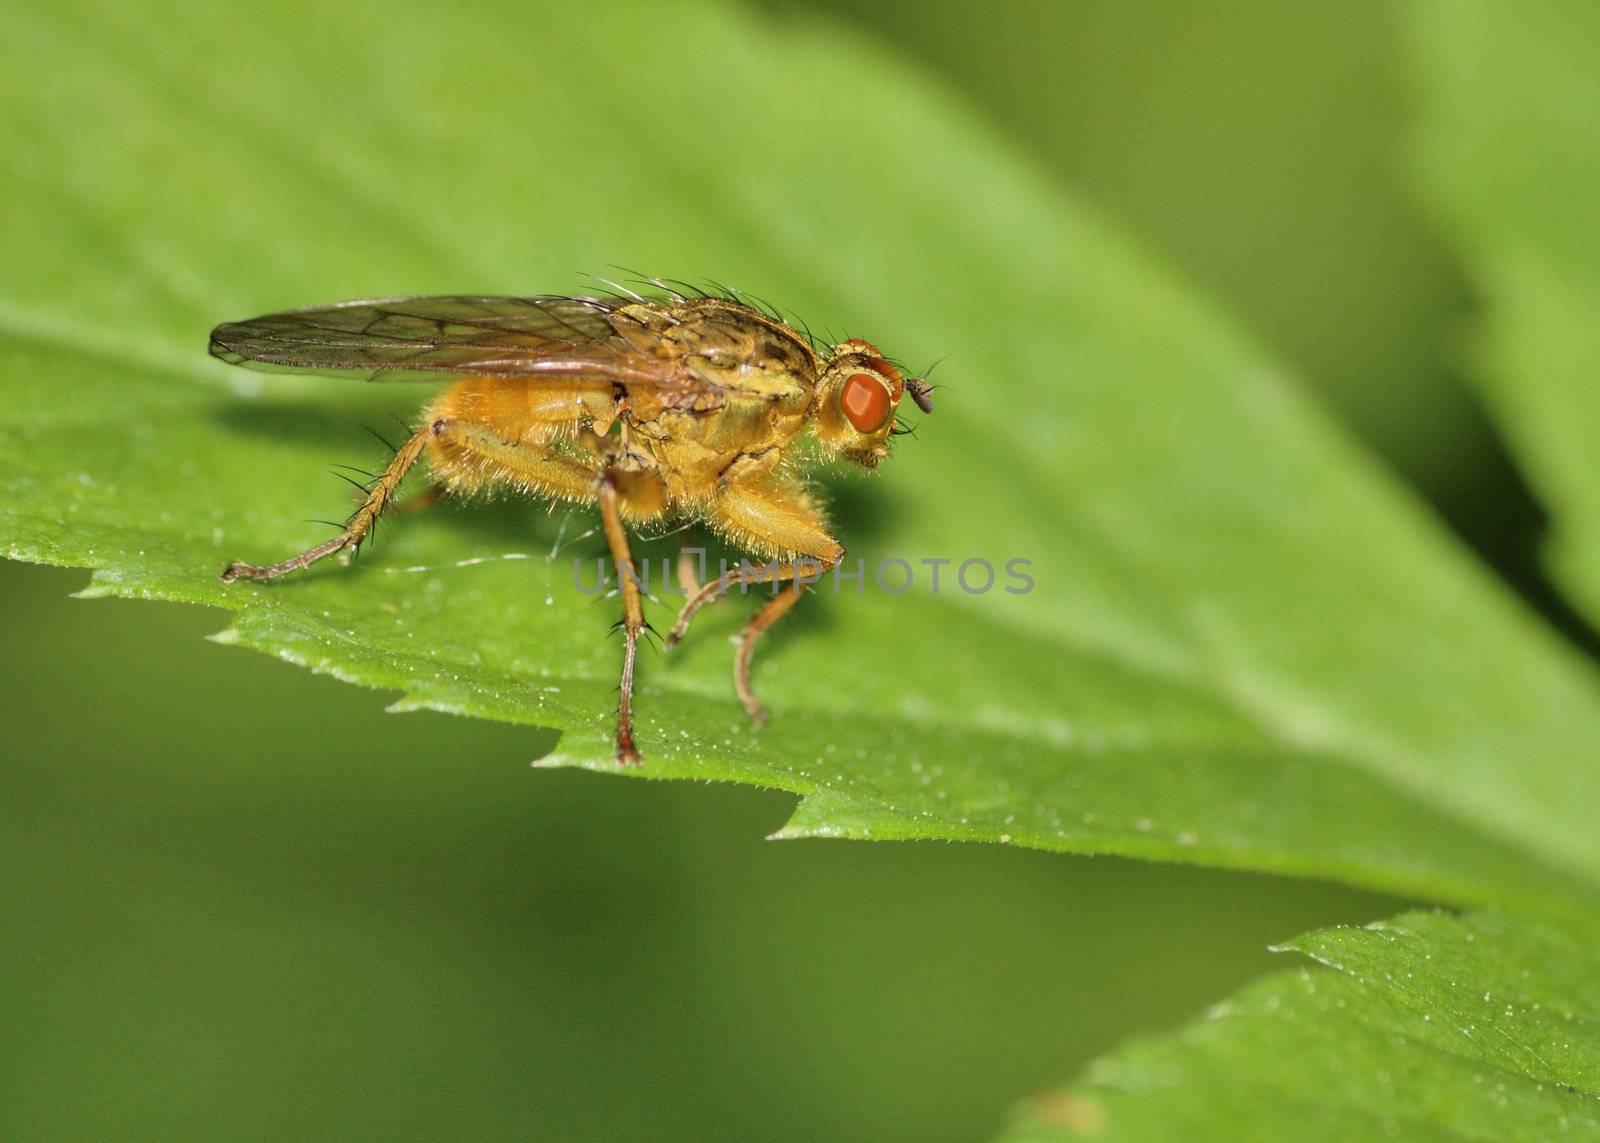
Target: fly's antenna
921, 392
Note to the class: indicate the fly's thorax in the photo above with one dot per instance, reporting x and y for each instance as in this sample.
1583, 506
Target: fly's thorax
722, 345
700, 449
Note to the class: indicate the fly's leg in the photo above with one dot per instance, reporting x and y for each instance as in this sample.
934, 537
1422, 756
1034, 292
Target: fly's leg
771, 611
688, 573
632, 613
421, 502
797, 573
477, 456
360, 523
474, 456
469, 456
772, 514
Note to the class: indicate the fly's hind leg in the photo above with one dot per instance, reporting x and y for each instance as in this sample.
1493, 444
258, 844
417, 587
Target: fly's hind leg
471, 454
378, 497
773, 514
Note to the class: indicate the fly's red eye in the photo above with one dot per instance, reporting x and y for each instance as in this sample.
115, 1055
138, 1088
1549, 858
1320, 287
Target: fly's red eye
865, 402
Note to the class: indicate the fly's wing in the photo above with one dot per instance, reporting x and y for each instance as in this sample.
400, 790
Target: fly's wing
397, 339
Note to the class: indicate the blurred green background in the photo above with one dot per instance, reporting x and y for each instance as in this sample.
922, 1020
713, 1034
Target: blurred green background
1260, 145
294, 913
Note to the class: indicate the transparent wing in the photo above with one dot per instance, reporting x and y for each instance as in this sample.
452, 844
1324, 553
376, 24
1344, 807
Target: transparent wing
395, 339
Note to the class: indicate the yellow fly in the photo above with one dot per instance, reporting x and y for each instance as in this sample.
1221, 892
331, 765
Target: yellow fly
683, 405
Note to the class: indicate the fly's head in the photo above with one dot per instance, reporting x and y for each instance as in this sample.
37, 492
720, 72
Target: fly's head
857, 396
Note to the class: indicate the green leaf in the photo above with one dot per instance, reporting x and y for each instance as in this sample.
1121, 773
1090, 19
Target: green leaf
1244, 646
1428, 1027
1509, 122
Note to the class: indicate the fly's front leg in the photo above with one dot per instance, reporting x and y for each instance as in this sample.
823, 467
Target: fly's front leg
632, 613
688, 573
772, 514
360, 523
798, 573
771, 611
